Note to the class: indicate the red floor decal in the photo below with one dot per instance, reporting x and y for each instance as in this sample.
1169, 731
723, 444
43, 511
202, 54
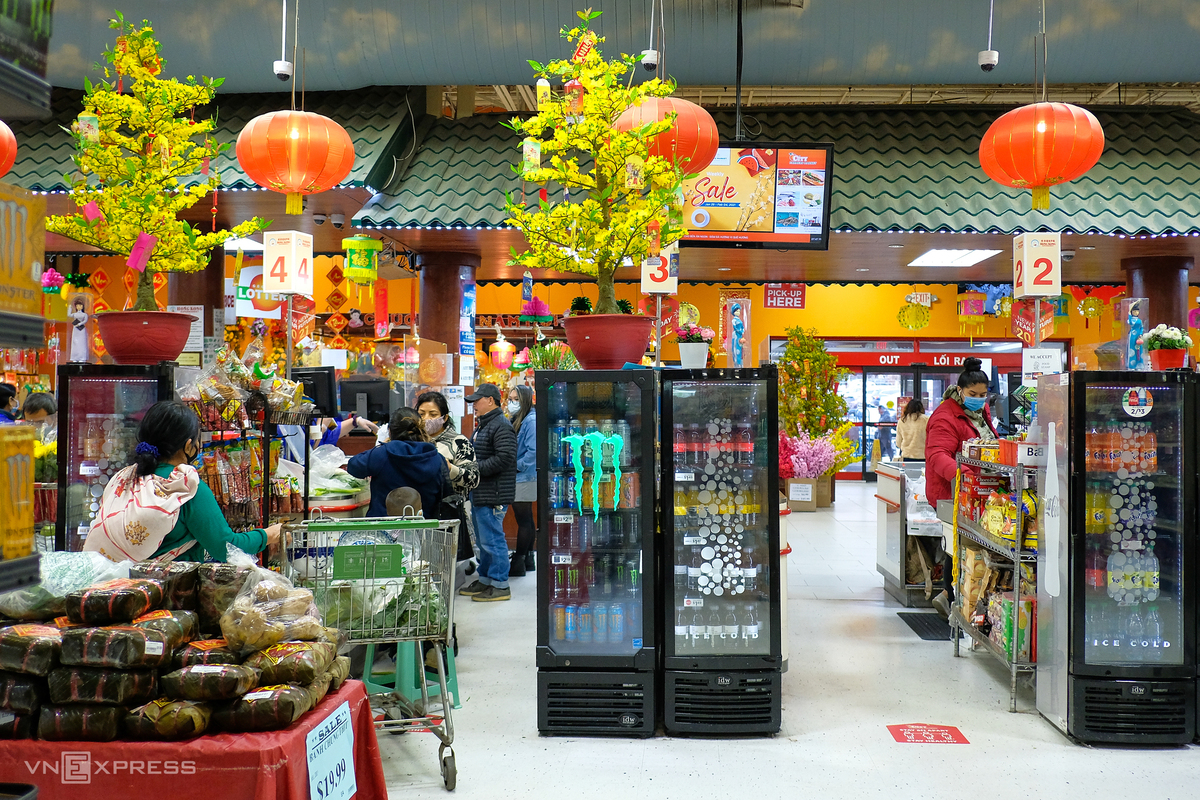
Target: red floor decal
918, 733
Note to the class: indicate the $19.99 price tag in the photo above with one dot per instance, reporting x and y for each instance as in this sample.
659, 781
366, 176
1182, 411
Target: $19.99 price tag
331, 757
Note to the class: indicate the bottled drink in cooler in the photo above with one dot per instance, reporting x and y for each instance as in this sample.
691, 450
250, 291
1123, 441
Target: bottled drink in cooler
749, 570
1149, 451
714, 630
696, 454
607, 450
679, 444
572, 622
1090, 443
1095, 568
681, 566
625, 459
744, 442
732, 629
1135, 628
555, 445
574, 428
681, 629
749, 626
590, 459
696, 627
93, 439
1150, 574
1154, 634
694, 568
633, 531
558, 622
1134, 576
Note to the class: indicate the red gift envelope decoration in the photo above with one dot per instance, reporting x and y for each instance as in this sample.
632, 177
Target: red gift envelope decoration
99, 306
139, 256
92, 213
335, 275
338, 343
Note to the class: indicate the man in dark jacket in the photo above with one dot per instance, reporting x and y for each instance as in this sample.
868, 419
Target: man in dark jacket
496, 456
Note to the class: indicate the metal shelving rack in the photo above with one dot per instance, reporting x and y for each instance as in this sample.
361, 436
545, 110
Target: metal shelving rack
1019, 480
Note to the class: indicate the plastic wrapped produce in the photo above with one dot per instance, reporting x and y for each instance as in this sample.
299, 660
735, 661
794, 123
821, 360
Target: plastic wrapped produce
339, 671
210, 682
120, 600
293, 662
79, 723
205, 651
61, 574
166, 719
318, 689
117, 647
181, 626
305, 628
180, 580
30, 649
90, 686
219, 585
17, 726
21, 694
268, 708
260, 615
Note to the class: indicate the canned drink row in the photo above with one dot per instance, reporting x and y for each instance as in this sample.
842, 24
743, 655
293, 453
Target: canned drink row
595, 577
563, 488
595, 623
580, 533
617, 448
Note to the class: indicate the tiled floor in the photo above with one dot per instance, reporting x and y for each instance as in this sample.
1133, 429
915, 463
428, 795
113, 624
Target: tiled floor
855, 668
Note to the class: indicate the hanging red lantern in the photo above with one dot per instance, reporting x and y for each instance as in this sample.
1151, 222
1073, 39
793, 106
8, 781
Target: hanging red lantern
1040, 145
691, 143
8, 149
295, 152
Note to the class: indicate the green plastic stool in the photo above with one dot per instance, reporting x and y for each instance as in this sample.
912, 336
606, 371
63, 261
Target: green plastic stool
409, 665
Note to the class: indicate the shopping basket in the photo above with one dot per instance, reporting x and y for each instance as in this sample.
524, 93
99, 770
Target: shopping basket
387, 580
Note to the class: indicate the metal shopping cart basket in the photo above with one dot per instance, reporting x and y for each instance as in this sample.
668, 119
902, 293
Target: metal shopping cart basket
382, 581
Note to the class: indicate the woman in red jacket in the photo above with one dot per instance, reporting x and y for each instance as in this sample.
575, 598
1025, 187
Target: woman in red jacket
963, 415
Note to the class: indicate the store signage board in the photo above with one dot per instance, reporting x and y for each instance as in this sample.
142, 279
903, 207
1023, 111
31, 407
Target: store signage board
1023, 322
919, 733
251, 300
784, 295
660, 274
288, 262
330, 746
195, 341
1037, 361
466, 370
1037, 265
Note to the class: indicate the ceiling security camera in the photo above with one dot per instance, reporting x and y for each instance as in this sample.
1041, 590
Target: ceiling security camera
650, 60
988, 59
1067, 255
319, 219
338, 220
283, 70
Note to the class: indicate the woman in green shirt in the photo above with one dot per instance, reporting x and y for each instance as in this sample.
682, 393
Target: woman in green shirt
158, 505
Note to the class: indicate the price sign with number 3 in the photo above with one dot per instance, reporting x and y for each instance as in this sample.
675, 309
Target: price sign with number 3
660, 274
287, 262
331, 757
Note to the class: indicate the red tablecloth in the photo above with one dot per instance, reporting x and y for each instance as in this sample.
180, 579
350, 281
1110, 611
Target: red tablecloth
239, 766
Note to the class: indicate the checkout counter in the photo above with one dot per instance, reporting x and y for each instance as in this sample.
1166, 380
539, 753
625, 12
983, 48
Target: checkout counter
903, 512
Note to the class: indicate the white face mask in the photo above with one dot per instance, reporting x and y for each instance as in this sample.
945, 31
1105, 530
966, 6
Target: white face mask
513, 408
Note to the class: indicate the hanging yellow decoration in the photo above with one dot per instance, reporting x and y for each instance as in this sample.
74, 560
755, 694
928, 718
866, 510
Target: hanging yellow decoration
913, 316
1091, 308
1004, 307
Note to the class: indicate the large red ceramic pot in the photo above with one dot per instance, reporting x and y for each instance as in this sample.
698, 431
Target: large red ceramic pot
608, 341
144, 337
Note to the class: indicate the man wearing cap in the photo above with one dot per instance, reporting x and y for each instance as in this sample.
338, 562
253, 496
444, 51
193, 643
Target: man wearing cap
496, 456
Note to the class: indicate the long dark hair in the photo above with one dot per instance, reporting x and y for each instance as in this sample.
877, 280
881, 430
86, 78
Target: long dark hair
166, 428
972, 374
406, 426
525, 396
7, 393
913, 408
439, 400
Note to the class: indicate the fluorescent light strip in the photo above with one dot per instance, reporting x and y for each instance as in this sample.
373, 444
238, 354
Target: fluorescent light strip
952, 258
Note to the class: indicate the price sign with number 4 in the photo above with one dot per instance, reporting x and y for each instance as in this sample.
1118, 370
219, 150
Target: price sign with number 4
331, 757
287, 262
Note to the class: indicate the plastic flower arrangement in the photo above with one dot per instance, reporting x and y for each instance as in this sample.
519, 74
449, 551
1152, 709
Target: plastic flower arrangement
139, 164
1164, 337
805, 456
694, 334
536, 310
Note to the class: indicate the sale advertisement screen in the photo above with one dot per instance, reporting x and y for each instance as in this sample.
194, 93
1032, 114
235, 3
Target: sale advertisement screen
761, 195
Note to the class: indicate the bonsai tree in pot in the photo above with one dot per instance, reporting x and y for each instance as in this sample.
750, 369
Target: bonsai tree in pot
141, 159
617, 201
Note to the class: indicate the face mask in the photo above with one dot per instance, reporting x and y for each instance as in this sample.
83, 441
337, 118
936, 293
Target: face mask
974, 403
513, 408
434, 425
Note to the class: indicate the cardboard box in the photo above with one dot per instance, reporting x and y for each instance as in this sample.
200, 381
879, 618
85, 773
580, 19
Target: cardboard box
825, 491
802, 494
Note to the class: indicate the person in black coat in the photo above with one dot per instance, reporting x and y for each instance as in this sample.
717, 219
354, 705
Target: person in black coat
496, 456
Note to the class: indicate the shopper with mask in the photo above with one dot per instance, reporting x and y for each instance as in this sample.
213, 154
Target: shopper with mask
496, 450
524, 422
963, 415
459, 454
158, 505
9, 408
408, 459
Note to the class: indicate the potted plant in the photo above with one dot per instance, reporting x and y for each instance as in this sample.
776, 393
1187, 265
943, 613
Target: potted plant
1167, 345
142, 158
693, 345
618, 202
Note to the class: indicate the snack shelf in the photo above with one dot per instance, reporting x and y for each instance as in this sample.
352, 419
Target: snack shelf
18, 572
988, 644
976, 534
1019, 470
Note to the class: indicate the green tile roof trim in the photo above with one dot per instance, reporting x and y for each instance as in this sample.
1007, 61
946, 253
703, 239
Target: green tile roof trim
895, 168
458, 177
376, 119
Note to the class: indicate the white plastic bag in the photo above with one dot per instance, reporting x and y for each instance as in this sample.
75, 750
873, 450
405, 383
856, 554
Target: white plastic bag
326, 476
61, 574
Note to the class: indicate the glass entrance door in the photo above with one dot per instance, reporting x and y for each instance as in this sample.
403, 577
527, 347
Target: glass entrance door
885, 393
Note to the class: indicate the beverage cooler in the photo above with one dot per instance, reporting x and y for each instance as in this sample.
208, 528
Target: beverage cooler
100, 409
1116, 602
596, 653
720, 551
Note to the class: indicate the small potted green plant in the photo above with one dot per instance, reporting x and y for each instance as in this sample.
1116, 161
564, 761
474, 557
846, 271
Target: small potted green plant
1168, 347
693, 345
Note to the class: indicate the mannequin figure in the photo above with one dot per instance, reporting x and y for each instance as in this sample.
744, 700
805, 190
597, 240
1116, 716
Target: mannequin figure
79, 334
1136, 346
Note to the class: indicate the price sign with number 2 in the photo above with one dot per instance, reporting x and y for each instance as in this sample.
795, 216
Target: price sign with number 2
287, 262
331, 757
1037, 265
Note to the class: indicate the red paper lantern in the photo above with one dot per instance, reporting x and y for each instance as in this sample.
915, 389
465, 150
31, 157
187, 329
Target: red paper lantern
691, 143
295, 152
8, 149
1040, 145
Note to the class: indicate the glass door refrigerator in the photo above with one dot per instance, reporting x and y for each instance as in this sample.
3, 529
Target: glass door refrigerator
1116, 621
720, 551
596, 652
100, 408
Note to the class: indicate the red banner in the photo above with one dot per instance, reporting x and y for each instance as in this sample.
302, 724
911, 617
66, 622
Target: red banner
918, 733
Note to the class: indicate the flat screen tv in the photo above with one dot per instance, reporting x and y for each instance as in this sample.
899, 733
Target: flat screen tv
761, 195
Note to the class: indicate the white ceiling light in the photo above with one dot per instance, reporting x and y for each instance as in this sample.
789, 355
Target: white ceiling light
951, 258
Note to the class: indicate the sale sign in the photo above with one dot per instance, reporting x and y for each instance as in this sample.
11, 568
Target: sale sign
1037, 265
287, 262
784, 295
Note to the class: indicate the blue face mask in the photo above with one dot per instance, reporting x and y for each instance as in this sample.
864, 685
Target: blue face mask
974, 403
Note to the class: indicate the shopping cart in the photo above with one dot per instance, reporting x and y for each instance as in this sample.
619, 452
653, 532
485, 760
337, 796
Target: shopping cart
383, 581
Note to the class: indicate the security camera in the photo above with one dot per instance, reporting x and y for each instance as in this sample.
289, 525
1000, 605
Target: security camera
650, 60
988, 59
338, 220
1067, 255
319, 219
283, 70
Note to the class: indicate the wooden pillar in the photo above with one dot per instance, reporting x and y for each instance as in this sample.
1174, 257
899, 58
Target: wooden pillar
1164, 281
443, 277
206, 286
